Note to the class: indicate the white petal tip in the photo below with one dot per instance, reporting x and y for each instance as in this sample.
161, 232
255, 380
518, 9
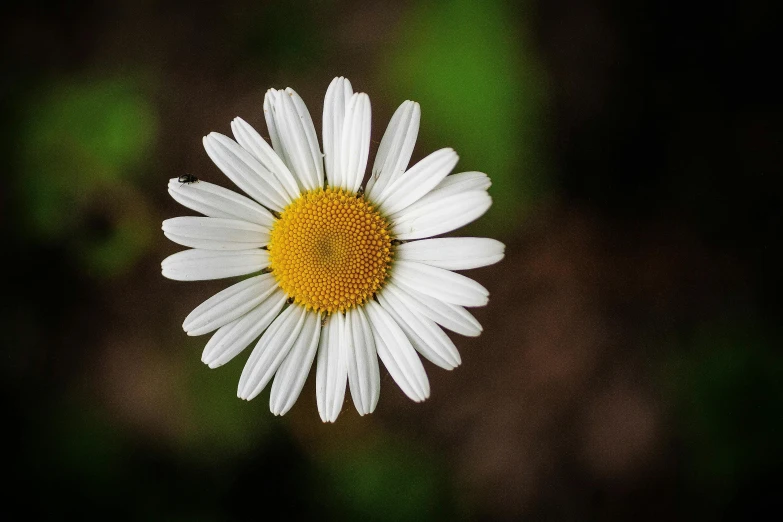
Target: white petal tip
329, 418
364, 412
280, 409
422, 395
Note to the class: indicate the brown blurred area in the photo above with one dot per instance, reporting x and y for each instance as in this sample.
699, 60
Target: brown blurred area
563, 410
630, 359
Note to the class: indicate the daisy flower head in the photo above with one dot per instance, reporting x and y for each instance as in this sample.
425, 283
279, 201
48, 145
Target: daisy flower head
343, 273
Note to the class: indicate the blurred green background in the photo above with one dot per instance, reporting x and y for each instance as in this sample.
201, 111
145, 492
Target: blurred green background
630, 366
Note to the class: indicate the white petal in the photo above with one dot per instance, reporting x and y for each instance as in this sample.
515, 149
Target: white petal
417, 181
292, 374
452, 253
297, 143
364, 378
456, 184
440, 215
271, 124
245, 171
234, 337
440, 200
270, 351
337, 96
355, 141
229, 305
394, 152
426, 336
214, 201
200, 265
215, 233
307, 126
252, 141
449, 316
397, 354
462, 182
332, 372
439, 283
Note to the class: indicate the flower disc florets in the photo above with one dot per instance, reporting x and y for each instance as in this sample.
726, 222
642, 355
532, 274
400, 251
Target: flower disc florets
330, 250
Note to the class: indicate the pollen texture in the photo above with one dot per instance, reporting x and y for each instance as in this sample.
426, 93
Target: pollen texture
330, 250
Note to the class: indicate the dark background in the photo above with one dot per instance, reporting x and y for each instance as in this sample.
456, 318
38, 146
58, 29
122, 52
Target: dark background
630, 366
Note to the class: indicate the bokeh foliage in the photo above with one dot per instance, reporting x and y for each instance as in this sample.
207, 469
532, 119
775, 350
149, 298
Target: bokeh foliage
650, 118
84, 147
729, 411
482, 93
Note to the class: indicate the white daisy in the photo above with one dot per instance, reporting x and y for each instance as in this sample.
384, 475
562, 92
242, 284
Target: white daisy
345, 274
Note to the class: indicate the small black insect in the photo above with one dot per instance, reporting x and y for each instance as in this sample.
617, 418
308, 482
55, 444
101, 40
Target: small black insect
188, 179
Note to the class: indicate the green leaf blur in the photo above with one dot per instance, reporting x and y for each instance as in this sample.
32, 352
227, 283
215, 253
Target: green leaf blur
481, 93
83, 150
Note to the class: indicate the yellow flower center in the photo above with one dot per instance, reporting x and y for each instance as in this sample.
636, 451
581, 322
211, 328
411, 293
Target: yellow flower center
330, 250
